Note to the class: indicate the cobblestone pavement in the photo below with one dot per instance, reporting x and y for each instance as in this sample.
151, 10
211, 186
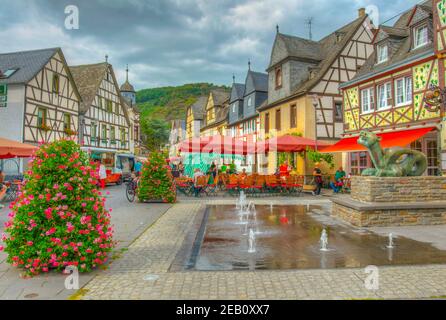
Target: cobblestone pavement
130, 220
143, 272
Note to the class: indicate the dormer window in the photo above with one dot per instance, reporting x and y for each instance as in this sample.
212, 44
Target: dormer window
383, 53
421, 36
6, 74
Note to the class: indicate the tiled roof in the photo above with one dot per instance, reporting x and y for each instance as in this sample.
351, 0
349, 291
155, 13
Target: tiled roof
28, 63
402, 50
199, 108
88, 78
260, 81
330, 50
297, 47
220, 97
240, 90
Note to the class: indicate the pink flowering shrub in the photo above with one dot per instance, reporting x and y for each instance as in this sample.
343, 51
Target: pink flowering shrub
59, 218
156, 183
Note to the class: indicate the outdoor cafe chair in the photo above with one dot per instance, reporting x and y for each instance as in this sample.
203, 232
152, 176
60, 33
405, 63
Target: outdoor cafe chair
184, 185
247, 183
212, 189
272, 185
233, 186
259, 185
223, 181
202, 183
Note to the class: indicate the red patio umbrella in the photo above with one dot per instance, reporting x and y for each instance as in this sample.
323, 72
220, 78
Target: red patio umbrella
226, 145
288, 143
194, 145
14, 149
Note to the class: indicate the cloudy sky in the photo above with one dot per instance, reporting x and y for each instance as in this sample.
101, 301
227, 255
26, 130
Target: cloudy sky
172, 42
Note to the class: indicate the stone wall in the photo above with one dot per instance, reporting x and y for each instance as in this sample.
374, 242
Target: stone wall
389, 217
405, 189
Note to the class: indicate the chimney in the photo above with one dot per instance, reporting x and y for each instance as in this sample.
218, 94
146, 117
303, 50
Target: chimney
361, 13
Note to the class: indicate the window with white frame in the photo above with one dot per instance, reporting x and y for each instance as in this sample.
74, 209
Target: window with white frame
250, 101
383, 53
368, 100
421, 36
403, 91
384, 96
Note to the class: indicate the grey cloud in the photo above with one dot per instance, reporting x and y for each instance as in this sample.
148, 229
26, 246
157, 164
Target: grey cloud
171, 42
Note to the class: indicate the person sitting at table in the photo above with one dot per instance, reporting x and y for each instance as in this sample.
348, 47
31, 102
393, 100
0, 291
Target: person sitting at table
197, 188
213, 170
232, 168
224, 168
243, 175
339, 180
2, 177
284, 170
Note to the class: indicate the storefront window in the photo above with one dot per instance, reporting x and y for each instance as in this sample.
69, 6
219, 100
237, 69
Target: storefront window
432, 158
359, 161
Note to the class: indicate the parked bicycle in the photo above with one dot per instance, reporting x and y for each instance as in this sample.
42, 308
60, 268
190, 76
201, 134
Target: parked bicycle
130, 190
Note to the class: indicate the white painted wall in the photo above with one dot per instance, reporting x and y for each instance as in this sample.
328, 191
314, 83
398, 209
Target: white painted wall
11, 117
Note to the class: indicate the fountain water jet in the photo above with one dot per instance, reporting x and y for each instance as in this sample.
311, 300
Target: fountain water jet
252, 241
324, 240
391, 243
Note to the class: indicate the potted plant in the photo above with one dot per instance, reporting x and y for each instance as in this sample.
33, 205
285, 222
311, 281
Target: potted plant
59, 218
156, 183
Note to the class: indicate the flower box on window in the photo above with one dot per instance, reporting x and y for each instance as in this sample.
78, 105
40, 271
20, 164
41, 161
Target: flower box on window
70, 132
44, 127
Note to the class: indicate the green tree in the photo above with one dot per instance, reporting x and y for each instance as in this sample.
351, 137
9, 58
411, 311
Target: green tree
155, 133
156, 183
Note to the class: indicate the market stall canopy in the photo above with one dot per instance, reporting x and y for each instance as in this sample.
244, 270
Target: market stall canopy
14, 149
388, 140
288, 143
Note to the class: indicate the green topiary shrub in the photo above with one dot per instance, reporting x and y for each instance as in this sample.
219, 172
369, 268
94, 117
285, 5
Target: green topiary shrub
156, 183
59, 218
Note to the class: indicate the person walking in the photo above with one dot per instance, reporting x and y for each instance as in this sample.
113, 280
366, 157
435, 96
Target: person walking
138, 168
102, 175
317, 174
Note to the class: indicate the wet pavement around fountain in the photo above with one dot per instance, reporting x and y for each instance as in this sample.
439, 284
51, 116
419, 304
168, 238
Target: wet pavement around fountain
288, 237
408, 274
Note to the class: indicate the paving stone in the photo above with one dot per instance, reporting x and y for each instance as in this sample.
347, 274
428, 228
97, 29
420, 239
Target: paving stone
164, 239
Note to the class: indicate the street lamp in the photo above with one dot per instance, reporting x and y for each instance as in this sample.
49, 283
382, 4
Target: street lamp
315, 99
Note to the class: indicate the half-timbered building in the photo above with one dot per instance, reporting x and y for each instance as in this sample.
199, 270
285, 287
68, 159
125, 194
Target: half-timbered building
387, 96
39, 99
216, 114
303, 90
195, 117
104, 119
